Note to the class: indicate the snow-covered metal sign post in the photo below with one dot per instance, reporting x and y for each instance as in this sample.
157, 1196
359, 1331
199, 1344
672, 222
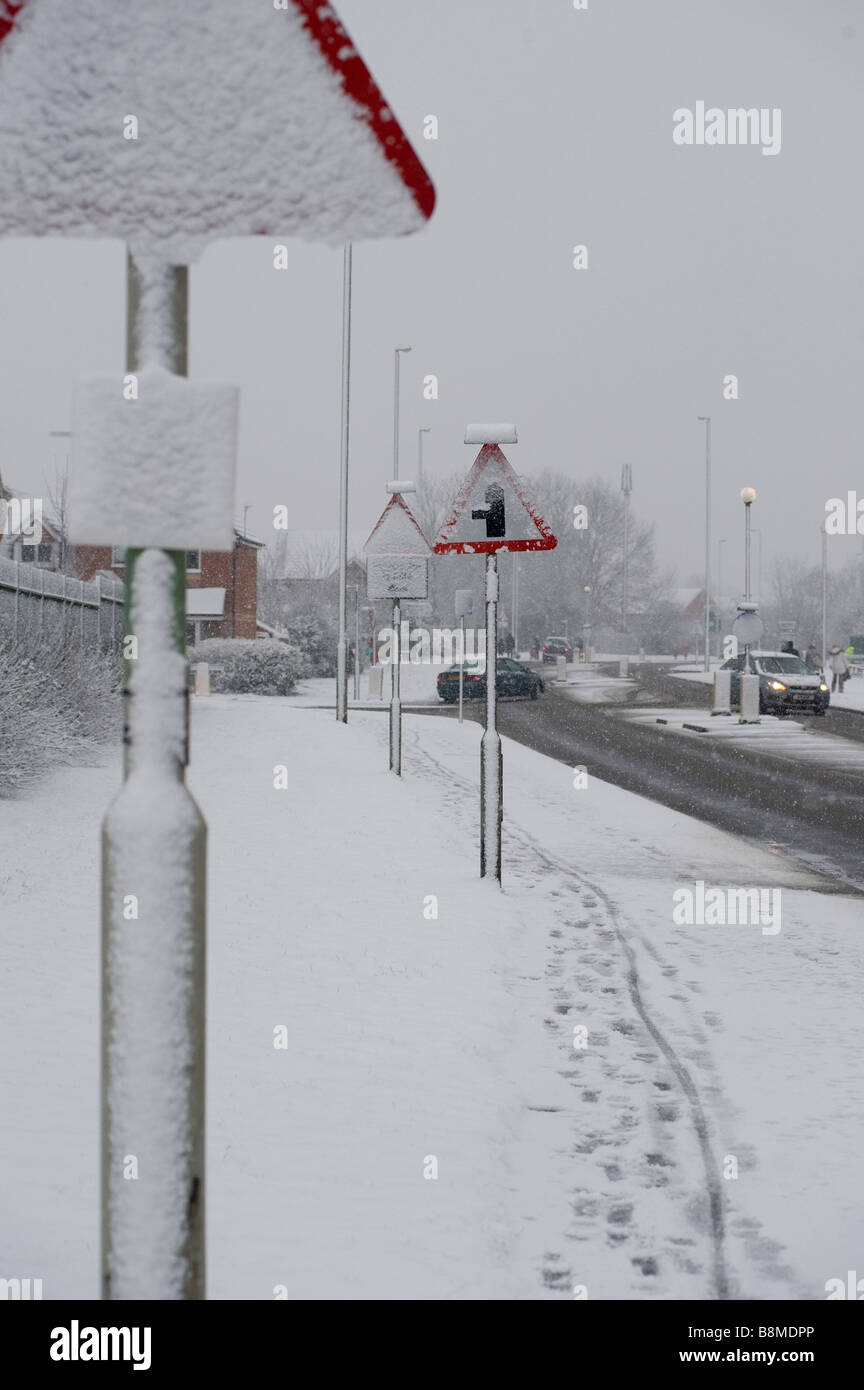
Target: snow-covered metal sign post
397, 567
135, 122
492, 512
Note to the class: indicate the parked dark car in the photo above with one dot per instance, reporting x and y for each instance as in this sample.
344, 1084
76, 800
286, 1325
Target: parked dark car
512, 679
786, 684
555, 647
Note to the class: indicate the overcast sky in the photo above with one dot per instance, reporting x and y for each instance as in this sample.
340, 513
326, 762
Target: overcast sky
555, 128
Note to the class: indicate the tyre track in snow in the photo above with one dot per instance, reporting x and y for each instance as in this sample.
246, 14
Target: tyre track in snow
713, 1190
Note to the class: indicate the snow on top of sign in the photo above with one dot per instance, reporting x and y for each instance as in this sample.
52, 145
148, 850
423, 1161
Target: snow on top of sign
498, 495
246, 119
397, 532
490, 434
158, 470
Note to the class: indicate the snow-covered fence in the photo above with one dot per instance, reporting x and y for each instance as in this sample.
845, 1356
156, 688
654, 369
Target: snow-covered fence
40, 600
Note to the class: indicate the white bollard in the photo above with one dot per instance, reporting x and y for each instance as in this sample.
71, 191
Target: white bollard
623, 666
561, 669
749, 700
376, 683
722, 692
202, 678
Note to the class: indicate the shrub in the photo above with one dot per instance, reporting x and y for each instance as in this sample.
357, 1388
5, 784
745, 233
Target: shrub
262, 667
57, 700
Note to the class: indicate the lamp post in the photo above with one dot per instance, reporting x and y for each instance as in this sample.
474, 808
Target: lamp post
748, 497
707, 421
757, 531
719, 597
626, 488
342, 641
424, 429
824, 596
396, 352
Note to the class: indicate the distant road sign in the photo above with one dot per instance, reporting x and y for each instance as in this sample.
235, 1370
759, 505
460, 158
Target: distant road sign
493, 512
397, 532
464, 601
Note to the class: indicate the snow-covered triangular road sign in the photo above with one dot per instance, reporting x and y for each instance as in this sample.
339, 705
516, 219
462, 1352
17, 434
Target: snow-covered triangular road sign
167, 124
493, 512
397, 552
397, 532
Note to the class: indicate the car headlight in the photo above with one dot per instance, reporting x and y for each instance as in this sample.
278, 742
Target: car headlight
823, 686
776, 685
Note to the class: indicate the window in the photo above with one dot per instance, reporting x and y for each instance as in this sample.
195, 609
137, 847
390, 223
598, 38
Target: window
778, 665
193, 561
118, 556
28, 553
43, 554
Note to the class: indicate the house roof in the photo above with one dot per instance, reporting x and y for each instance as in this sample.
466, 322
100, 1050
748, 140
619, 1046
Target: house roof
690, 601
50, 528
241, 535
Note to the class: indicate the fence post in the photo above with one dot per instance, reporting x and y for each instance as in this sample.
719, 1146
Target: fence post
82, 607
99, 612
17, 595
42, 605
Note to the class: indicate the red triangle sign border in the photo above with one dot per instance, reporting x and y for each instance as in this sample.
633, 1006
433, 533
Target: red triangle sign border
492, 453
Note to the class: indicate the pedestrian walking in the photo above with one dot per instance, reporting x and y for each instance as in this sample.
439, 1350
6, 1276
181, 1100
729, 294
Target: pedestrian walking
813, 658
839, 668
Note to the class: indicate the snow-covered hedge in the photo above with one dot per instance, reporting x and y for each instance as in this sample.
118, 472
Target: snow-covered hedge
263, 667
56, 700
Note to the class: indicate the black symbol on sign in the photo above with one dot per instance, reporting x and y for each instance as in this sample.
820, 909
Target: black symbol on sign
493, 513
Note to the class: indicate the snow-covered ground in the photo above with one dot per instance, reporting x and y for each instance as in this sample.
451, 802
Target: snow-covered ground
412, 1037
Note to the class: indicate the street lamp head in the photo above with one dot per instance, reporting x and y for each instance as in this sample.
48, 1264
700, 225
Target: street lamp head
748, 495
403, 349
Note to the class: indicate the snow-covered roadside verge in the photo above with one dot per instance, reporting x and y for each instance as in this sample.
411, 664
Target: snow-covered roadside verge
411, 1038
765, 1026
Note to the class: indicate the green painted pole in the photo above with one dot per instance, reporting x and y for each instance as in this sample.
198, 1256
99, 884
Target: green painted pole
154, 908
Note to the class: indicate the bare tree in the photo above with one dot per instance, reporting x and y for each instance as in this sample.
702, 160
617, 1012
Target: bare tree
58, 501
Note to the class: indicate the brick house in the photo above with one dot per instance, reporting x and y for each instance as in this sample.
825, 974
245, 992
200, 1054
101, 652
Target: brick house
221, 585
